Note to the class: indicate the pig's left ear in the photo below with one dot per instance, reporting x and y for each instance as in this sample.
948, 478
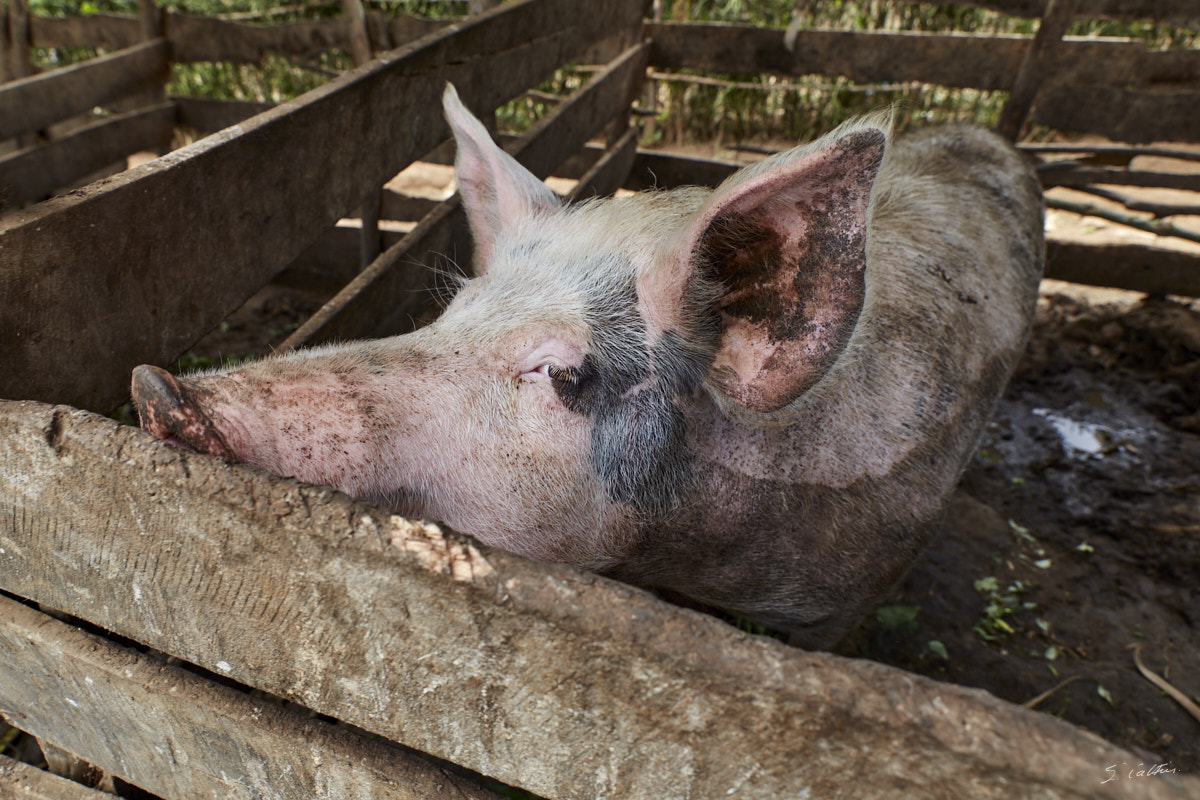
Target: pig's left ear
497, 191
785, 239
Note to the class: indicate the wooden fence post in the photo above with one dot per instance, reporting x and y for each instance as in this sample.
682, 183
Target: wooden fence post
5, 50
360, 47
150, 18
650, 120
17, 43
17, 47
1038, 61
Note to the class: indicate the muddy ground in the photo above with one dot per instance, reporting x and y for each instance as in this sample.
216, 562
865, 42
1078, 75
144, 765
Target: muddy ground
1075, 535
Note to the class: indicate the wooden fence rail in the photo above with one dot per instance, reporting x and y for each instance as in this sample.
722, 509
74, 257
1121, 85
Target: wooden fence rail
35, 173
1122, 80
1182, 13
560, 682
196, 39
179, 735
32, 103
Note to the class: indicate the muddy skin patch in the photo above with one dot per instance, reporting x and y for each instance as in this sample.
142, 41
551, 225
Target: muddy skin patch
794, 272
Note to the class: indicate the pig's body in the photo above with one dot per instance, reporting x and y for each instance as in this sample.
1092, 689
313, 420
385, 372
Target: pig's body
702, 392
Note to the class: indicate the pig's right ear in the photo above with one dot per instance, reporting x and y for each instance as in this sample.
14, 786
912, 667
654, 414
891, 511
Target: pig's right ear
785, 242
497, 191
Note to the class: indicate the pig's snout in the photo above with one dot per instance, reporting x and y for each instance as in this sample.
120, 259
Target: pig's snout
166, 411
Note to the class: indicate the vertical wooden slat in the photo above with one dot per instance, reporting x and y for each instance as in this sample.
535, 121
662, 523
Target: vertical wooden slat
1038, 62
19, 64
18, 40
360, 39
150, 19
360, 47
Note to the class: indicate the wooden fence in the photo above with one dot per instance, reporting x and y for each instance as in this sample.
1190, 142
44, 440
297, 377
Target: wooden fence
429, 661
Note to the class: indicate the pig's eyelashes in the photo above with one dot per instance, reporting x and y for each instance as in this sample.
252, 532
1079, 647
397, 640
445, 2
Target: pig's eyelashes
561, 374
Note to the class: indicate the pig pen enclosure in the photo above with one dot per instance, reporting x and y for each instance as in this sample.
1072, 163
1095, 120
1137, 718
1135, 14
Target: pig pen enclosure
182, 626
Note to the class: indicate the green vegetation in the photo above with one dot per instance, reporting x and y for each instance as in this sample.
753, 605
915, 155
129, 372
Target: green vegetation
274, 80
901, 619
764, 108
1001, 605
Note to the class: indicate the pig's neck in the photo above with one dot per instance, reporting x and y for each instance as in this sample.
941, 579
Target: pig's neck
817, 514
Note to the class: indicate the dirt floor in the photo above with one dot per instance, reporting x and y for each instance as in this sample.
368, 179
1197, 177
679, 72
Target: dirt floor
1075, 535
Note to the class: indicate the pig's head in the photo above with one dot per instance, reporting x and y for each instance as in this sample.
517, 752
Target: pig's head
550, 409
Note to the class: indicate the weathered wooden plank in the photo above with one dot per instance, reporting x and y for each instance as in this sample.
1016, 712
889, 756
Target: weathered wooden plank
68, 765
18, 780
101, 31
1170, 68
34, 173
392, 292
1171, 12
1074, 175
32, 103
16, 40
610, 170
652, 170
356, 30
148, 294
208, 116
1139, 268
1036, 67
179, 735
212, 39
403, 207
987, 62
567, 684
246, 43
331, 261
1126, 115
407, 27
150, 17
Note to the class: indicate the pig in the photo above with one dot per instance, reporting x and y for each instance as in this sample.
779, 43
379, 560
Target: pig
756, 397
